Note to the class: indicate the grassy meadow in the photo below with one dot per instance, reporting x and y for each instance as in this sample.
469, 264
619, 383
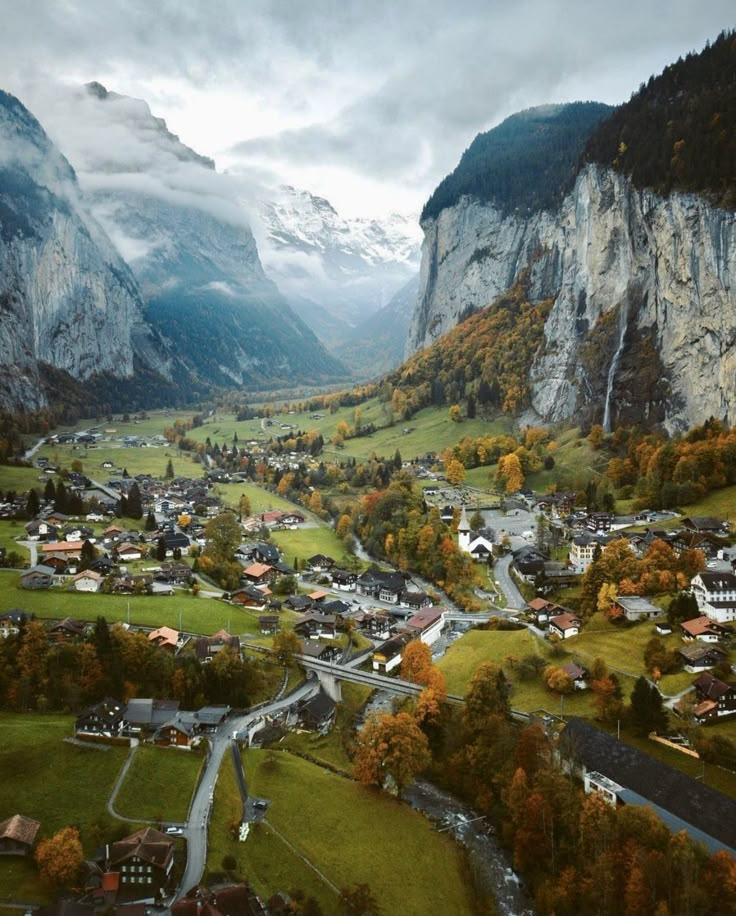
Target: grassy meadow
343, 828
159, 784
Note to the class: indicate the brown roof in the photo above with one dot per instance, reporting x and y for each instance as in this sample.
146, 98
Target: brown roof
698, 627
256, 570
424, 619
62, 547
565, 621
540, 604
148, 844
19, 828
164, 636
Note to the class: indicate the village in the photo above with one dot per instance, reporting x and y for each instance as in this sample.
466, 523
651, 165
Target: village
297, 645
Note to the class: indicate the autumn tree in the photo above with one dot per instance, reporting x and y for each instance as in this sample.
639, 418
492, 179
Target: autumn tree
286, 644
558, 680
223, 535
60, 857
509, 474
596, 436
428, 710
416, 662
455, 413
454, 472
244, 507
487, 695
358, 900
390, 747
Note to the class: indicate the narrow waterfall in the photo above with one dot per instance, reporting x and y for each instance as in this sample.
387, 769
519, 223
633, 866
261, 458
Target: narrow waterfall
623, 327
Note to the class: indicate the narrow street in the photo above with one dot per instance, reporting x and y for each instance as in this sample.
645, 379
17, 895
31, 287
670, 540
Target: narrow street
200, 809
514, 598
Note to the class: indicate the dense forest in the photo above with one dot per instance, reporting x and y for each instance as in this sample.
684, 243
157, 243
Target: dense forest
527, 163
486, 358
678, 133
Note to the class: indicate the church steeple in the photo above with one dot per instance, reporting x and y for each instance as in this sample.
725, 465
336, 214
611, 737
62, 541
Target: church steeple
463, 532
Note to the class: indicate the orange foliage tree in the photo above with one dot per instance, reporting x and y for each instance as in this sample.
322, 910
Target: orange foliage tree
390, 747
60, 857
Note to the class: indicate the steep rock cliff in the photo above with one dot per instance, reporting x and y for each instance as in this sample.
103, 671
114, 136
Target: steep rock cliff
67, 299
644, 317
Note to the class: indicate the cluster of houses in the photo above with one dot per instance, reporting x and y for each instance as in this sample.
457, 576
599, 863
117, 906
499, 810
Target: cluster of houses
127, 876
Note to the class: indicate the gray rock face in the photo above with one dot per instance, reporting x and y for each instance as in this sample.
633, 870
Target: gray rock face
644, 315
66, 296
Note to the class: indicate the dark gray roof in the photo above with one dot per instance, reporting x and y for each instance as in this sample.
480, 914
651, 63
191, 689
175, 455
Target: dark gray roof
704, 808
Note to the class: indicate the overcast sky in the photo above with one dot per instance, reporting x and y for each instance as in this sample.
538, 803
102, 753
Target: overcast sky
366, 102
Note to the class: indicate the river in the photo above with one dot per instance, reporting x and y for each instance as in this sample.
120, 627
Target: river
489, 863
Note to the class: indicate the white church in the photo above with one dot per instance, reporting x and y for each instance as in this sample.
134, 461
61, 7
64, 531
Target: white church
479, 544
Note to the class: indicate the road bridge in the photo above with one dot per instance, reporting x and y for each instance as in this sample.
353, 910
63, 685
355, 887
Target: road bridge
331, 674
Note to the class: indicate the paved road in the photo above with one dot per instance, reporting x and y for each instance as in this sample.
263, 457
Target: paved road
201, 807
514, 598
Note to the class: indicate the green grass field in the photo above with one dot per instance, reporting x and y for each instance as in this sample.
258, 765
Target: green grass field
348, 831
196, 614
305, 542
504, 648
9, 531
19, 479
623, 649
575, 463
136, 460
159, 784
264, 859
50, 780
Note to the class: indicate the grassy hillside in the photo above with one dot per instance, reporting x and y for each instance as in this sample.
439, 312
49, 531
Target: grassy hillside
344, 829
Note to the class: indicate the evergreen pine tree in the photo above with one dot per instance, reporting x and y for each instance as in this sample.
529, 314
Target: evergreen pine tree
150, 521
135, 503
49, 491
169, 474
33, 503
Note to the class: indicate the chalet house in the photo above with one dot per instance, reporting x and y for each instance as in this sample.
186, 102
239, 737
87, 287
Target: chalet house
314, 626
165, 638
11, 622
320, 563
18, 835
178, 732
529, 562
299, 603
70, 549
343, 580
57, 518
635, 608
599, 522
715, 698
625, 775
577, 674
321, 651
277, 519
318, 596
232, 900
541, 610
87, 581
259, 574
207, 647
704, 629
384, 586
79, 533
706, 524
426, 624
144, 861
337, 607
173, 573
710, 544
716, 595
128, 552
268, 624
699, 657
250, 596
41, 529
60, 563
144, 716
317, 713
414, 600
377, 626
388, 656
67, 630
565, 625
266, 553
104, 718
39, 576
